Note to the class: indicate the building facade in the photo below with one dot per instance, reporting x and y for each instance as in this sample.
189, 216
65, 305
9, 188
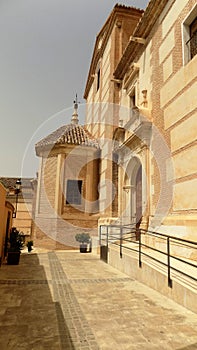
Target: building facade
134, 160
67, 186
6, 211
102, 96
22, 202
141, 106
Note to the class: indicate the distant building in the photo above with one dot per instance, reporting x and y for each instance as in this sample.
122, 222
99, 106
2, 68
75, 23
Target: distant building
6, 211
22, 219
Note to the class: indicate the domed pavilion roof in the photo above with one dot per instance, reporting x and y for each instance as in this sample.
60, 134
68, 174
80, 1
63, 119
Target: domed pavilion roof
70, 134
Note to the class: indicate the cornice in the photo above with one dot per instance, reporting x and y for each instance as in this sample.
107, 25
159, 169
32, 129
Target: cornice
104, 35
65, 149
133, 72
143, 29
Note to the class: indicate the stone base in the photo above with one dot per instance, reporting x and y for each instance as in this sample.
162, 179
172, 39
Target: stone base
183, 291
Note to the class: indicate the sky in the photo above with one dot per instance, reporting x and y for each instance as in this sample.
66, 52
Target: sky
46, 48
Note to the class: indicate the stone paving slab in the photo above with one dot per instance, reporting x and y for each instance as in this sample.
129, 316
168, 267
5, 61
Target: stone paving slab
67, 300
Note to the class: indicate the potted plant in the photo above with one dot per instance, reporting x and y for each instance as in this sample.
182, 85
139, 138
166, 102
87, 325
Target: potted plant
84, 239
29, 245
16, 244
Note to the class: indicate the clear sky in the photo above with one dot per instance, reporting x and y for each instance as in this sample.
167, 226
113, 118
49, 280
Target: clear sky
45, 54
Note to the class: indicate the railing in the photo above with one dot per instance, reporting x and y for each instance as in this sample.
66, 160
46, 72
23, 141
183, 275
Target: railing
147, 243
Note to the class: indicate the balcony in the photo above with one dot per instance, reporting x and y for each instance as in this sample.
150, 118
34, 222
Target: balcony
138, 126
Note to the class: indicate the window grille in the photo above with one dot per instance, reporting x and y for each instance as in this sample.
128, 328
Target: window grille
73, 192
192, 42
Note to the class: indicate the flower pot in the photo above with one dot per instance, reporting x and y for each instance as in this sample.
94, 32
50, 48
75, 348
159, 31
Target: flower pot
83, 248
13, 258
29, 249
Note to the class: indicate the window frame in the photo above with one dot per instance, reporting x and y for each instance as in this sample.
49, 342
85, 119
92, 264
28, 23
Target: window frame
98, 79
186, 36
71, 199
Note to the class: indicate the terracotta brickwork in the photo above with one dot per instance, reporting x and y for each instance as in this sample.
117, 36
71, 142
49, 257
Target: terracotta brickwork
135, 158
47, 188
102, 103
152, 87
179, 113
68, 156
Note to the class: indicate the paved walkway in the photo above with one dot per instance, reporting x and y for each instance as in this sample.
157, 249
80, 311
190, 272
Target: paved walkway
67, 300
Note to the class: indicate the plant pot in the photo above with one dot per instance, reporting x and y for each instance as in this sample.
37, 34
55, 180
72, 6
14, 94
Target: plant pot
29, 249
13, 258
83, 248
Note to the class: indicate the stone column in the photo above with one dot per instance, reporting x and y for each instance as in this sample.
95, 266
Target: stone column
92, 175
59, 184
39, 187
145, 187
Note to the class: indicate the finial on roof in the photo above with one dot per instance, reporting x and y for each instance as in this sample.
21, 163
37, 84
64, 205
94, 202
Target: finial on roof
75, 119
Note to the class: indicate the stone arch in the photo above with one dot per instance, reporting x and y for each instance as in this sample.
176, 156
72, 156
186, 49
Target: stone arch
133, 191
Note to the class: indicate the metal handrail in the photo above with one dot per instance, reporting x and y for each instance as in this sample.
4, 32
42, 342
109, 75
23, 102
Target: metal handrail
172, 237
121, 240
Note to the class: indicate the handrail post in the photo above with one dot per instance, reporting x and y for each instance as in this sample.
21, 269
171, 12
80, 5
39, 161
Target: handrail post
140, 248
107, 238
121, 228
168, 253
100, 229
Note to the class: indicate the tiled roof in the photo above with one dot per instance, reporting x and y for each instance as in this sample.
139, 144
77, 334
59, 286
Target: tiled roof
125, 7
26, 191
10, 182
68, 134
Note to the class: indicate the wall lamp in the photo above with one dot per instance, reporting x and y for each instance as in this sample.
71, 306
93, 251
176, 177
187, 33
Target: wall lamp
16, 191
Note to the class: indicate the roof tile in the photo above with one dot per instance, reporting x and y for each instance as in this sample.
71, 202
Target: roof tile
69, 134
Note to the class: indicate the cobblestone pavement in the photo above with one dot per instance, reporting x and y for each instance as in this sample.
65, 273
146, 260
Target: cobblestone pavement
67, 300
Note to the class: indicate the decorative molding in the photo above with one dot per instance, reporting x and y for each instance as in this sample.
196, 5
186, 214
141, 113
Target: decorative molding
137, 40
119, 11
118, 81
133, 72
144, 103
142, 31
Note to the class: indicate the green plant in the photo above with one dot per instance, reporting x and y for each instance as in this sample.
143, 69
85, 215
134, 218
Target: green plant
16, 241
82, 237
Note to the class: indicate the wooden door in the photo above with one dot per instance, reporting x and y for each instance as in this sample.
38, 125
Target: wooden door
139, 196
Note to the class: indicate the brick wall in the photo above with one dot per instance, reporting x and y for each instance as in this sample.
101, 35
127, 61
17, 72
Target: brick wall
56, 233
47, 186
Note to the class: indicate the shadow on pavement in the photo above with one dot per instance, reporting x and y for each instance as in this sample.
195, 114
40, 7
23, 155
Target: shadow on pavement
29, 318
65, 337
189, 347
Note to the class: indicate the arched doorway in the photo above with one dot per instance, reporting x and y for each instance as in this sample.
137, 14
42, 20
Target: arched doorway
138, 186
133, 186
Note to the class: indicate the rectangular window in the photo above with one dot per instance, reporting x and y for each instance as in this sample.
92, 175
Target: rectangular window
73, 192
132, 100
193, 38
190, 36
98, 79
